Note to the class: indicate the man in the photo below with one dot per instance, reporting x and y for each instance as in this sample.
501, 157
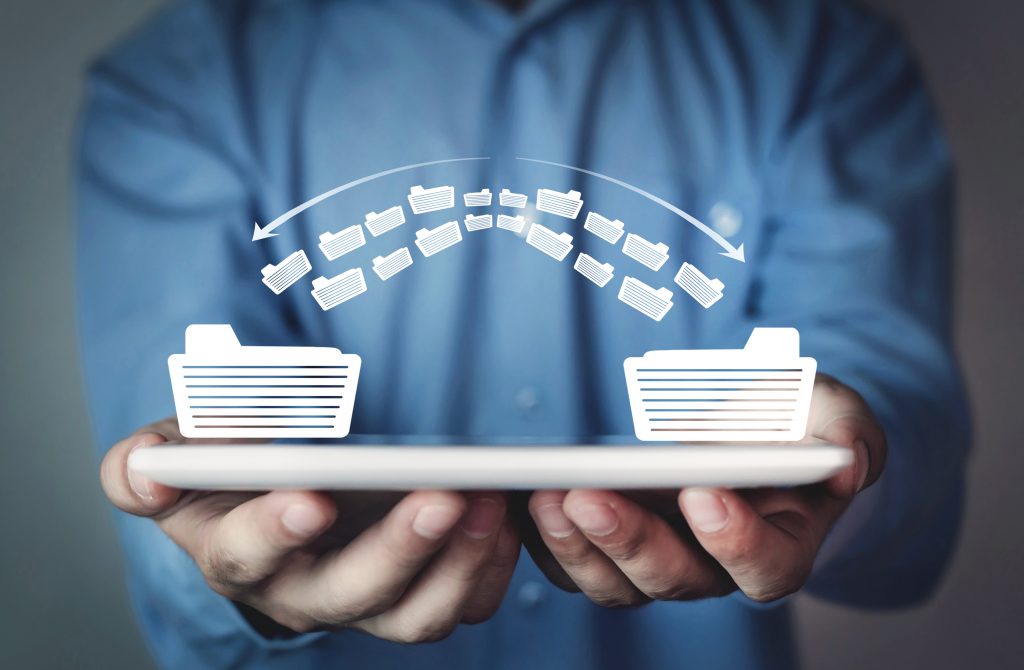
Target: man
801, 130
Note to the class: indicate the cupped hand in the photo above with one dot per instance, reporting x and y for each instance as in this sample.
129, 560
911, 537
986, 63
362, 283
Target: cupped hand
628, 550
408, 572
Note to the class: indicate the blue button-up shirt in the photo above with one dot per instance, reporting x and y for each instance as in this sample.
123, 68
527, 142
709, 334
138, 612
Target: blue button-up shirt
800, 130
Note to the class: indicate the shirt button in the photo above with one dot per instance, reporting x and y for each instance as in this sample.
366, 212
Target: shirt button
530, 594
725, 219
527, 398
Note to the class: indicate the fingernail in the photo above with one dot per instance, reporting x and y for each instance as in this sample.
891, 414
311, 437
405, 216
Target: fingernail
553, 521
482, 519
863, 463
595, 519
302, 520
434, 521
705, 510
140, 484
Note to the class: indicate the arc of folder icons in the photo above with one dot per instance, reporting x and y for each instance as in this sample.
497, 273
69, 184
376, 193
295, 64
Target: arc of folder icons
650, 301
761, 392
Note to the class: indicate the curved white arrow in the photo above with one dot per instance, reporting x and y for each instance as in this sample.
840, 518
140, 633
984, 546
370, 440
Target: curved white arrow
268, 230
735, 253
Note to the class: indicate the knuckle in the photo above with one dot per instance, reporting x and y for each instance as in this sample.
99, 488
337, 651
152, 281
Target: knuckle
627, 547
420, 631
787, 583
671, 590
224, 569
620, 599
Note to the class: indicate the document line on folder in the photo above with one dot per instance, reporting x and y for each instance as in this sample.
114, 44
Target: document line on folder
433, 241
647, 253
481, 222
566, 205
389, 219
388, 266
279, 277
336, 245
698, 286
594, 270
555, 245
608, 230
330, 293
423, 200
651, 302
481, 198
509, 199
512, 223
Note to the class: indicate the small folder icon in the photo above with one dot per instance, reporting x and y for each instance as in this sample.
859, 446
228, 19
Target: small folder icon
649, 254
556, 245
279, 277
560, 204
607, 230
432, 241
592, 269
431, 199
330, 293
479, 222
336, 245
481, 198
761, 392
389, 219
647, 300
509, 199
222, 389
388, 266
513, 223
699, 287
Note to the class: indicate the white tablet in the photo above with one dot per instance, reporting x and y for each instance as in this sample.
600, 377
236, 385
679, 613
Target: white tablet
533, 466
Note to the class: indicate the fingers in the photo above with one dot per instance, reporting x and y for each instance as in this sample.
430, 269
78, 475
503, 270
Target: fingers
131, 491
767, 556
493, 585
434, 603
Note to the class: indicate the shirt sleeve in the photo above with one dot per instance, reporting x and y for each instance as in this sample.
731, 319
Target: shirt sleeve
164, 223
856, 253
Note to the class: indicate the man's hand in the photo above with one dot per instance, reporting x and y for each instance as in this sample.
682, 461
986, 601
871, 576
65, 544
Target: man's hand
620, 552
411, 573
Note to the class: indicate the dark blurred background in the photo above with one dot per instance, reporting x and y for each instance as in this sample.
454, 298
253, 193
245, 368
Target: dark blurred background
61, 586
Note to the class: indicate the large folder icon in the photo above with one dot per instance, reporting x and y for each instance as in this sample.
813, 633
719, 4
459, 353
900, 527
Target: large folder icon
481, 198
645, 299
608, 230
222, 389
556, 245
432, 241
594, 270
698, 286
560, 204
336, 245
279, 277
431, 199
388, 266
389, 219
509, 199
330, 293
759, 393
649, 254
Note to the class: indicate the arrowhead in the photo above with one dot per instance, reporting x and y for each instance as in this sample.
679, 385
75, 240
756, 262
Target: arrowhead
735, 254
261, 234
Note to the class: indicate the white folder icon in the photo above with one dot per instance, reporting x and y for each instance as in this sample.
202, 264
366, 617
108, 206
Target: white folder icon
556, 245
513, 223
389, 219
607, 230
702, 289
594, 270
388, 266
481, 222
330, 293
222, 389
509, 199
279, 277
431, 199
560, 204
432, 241
336, 245
481, 198
761, 392
645, 299
650, 254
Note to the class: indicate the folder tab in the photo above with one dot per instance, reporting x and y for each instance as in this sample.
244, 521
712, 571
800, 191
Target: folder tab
509, 199
566, 205
389, 219
607, 230
479, 222
336, 245
432, 241
388, 266
760, 393
431, 199
222, 389
651, 302
699, 287
594, 270
481, 198
513, 223
649, 254
330, 293
556, 245
279, 277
